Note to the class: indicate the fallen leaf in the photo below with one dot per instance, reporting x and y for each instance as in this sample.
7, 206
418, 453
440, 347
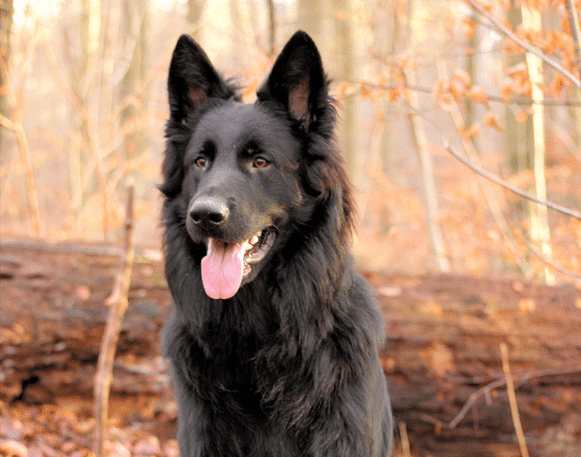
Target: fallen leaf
390, 291
11, 448
441, 359
83, 293
526, 305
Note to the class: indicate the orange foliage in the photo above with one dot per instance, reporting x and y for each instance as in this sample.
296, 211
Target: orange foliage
477, 94
517, 81
474, 129
557, 41
522, 116
468, 27
491, 121
558, 84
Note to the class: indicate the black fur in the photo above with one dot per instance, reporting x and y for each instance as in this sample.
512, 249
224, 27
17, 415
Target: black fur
289, 365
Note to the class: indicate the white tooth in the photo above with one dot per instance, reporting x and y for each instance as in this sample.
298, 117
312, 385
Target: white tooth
253, 240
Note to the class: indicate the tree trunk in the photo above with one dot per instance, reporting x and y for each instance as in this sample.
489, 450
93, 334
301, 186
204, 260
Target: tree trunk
6, 13
518, 140
135, 22
313, 18
271, 27
194, 16
428, 180
344, 66
539, 218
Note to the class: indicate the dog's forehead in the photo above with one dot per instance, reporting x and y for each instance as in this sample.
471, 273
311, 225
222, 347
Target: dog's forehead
236, 123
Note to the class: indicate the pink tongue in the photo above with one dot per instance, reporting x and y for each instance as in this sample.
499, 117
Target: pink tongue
222, 268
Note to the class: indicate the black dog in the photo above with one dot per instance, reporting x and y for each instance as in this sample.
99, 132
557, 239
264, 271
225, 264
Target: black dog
274, 338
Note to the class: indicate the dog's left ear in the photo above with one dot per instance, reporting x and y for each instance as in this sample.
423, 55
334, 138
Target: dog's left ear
192, 79
297, 80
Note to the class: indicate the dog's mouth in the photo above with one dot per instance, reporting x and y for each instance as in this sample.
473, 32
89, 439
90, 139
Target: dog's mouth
227, 264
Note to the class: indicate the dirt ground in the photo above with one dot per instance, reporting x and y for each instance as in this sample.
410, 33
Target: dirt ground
442, 359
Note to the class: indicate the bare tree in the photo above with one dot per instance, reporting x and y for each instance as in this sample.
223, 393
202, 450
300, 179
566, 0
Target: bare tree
428, 180
313, 18
6, 13
194, 16
134, 23
344, 66
539, 229
271, 27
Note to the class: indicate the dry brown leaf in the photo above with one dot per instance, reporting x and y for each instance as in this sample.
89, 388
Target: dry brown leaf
468, 26
477, 94
474, 129
491, 121
527, 305
558, 84
11, 448
462, 76
522, 116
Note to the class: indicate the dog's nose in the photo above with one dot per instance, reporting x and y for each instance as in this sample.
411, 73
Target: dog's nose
209, 212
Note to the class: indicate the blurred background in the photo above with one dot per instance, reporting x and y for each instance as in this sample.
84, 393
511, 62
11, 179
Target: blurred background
461, 266
84, 105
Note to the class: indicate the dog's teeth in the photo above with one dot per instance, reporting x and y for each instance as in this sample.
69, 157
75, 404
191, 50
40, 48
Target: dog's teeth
253, 240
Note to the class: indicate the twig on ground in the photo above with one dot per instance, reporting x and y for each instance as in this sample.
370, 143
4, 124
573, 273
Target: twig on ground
117, 301
512, 401
519, 378
405, 444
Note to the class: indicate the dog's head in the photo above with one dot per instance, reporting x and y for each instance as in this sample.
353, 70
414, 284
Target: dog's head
247, 175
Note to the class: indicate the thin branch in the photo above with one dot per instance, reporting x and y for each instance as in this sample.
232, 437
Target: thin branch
91, 136
118, 301
512, 401
527, 47
17, 126
521, 378
485, 186
405, 444
573, 18
516, 190
551, 264
428, 90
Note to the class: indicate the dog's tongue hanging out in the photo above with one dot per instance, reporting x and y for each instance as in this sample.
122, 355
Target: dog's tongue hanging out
223, 268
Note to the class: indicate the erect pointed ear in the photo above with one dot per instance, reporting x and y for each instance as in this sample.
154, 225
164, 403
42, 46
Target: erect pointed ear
192, 79
297, 80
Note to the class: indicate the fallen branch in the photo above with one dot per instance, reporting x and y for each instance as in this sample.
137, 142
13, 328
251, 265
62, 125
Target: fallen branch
405, 444
512, 401
117, 301
486, 174
486, 390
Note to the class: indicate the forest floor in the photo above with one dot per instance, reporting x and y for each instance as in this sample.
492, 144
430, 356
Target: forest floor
442, 360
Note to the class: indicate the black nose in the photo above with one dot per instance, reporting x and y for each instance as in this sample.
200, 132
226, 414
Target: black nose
209, 212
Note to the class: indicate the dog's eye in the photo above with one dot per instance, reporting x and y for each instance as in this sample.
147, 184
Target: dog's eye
200, 162
260, 162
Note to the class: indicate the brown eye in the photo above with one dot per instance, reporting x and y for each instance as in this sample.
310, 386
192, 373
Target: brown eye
260, 162
200, 162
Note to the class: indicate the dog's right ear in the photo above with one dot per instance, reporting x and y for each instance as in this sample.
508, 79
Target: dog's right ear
192, 79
